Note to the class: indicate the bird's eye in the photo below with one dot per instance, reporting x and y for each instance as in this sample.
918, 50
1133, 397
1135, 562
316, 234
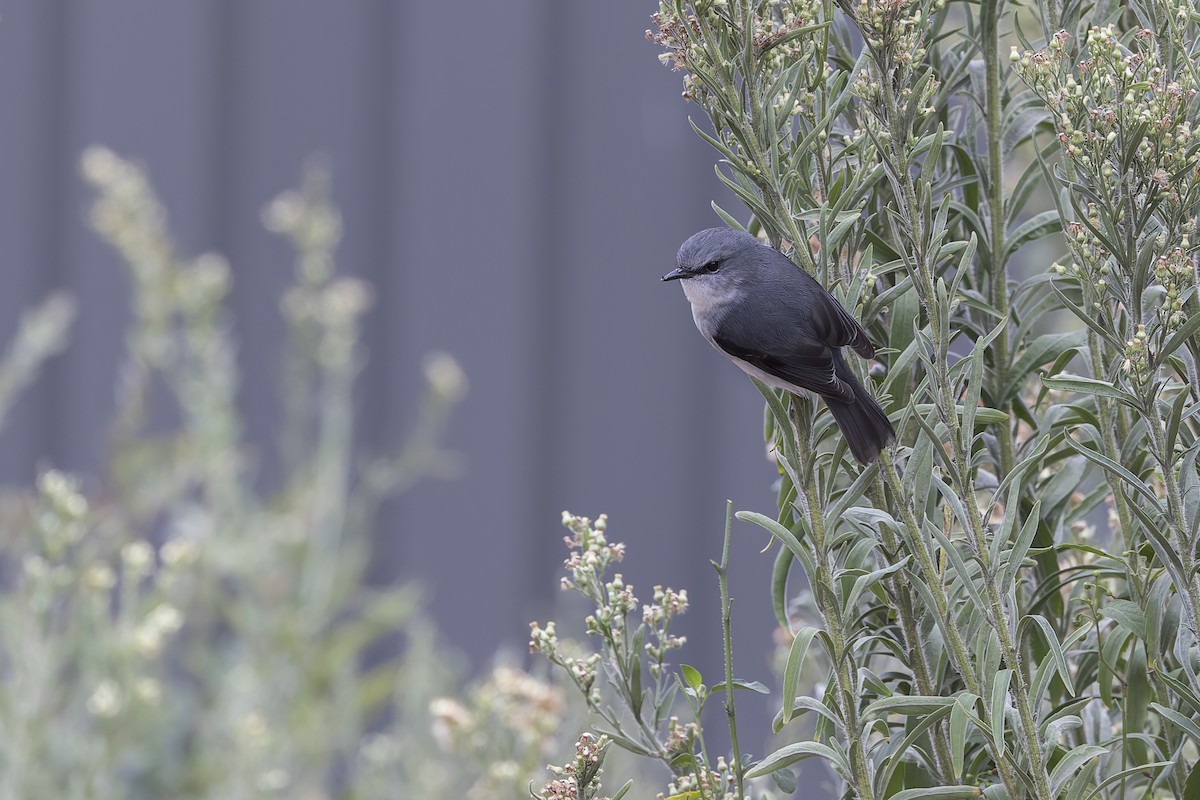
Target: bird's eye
711, 267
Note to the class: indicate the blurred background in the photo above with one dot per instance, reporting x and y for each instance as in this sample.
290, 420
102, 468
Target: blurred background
512, 177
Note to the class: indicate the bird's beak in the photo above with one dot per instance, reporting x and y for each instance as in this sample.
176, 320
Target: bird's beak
674, 275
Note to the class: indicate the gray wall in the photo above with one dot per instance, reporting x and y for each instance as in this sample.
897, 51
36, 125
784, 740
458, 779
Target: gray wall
514, 177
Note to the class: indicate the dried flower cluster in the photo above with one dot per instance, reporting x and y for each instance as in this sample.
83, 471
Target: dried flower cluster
508, 723
895, 32
784, 36
580, 779
614, 602
640, 720
1124, 120
667, 605
717, 783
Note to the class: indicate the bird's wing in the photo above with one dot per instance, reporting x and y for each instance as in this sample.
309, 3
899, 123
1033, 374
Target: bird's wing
784, 348
835, 325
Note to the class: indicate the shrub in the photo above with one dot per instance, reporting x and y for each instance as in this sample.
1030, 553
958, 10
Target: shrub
1005, 604
169, 631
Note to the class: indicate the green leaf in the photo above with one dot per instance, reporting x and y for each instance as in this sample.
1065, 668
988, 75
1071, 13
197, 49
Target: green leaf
691, 677
1028, 183
785, 779
1020, 126
999, 703
1017, 555
775, 529
870, 579
1127, 614
974, 388
624, 790
1176, 415
1045, 348
1129, 479
794, 33
1077, 383
1086, 318
1183, 690
623, 742
740, 683
1056, 652
968, 578
1035, 227
1065, 483
635, 670
1114, 644
779, 577
1071, 763
1185, 724
971, 415
1003, 536
943, 792
918, 473
931, 158
1190, 792
1177, 339
805, 704
728, 219
791, 754
894, 763
906, 706
959, 715
1138, 694
791, 673
745, 194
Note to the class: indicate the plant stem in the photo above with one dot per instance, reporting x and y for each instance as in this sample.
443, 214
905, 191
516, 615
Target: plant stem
824, 592
1012, 657
922, 273
1187, 552
758, 140
960, 656
1112, 449
727, 635
990, 13
918, 658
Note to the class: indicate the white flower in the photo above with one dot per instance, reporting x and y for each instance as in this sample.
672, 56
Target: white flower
106, 699
138, 556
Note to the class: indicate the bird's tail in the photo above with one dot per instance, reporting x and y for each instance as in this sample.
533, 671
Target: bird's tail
863, 421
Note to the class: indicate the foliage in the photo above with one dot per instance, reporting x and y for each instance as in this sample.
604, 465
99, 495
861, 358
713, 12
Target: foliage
169, 630
627, 681
1006, 602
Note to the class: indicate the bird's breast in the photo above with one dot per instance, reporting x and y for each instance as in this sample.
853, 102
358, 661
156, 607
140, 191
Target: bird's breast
709, 303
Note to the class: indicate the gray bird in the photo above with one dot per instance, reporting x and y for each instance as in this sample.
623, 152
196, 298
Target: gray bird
779, 325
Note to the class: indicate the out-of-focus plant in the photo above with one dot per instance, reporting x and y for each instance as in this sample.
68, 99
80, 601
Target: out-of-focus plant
41, 333
983, 631
628, 682
508, 724
167, 630
579, 780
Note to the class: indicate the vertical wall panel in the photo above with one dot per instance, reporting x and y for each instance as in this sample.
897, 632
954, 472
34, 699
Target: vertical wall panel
32, 181
135, 80
669, 429
465, 244
513, 177
295, 84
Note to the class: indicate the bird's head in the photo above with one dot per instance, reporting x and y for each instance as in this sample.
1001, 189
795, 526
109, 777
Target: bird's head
711, 256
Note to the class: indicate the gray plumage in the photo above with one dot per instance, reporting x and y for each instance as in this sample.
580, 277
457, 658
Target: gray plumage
779, 325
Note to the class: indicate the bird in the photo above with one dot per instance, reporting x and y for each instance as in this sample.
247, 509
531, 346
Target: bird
779, 325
